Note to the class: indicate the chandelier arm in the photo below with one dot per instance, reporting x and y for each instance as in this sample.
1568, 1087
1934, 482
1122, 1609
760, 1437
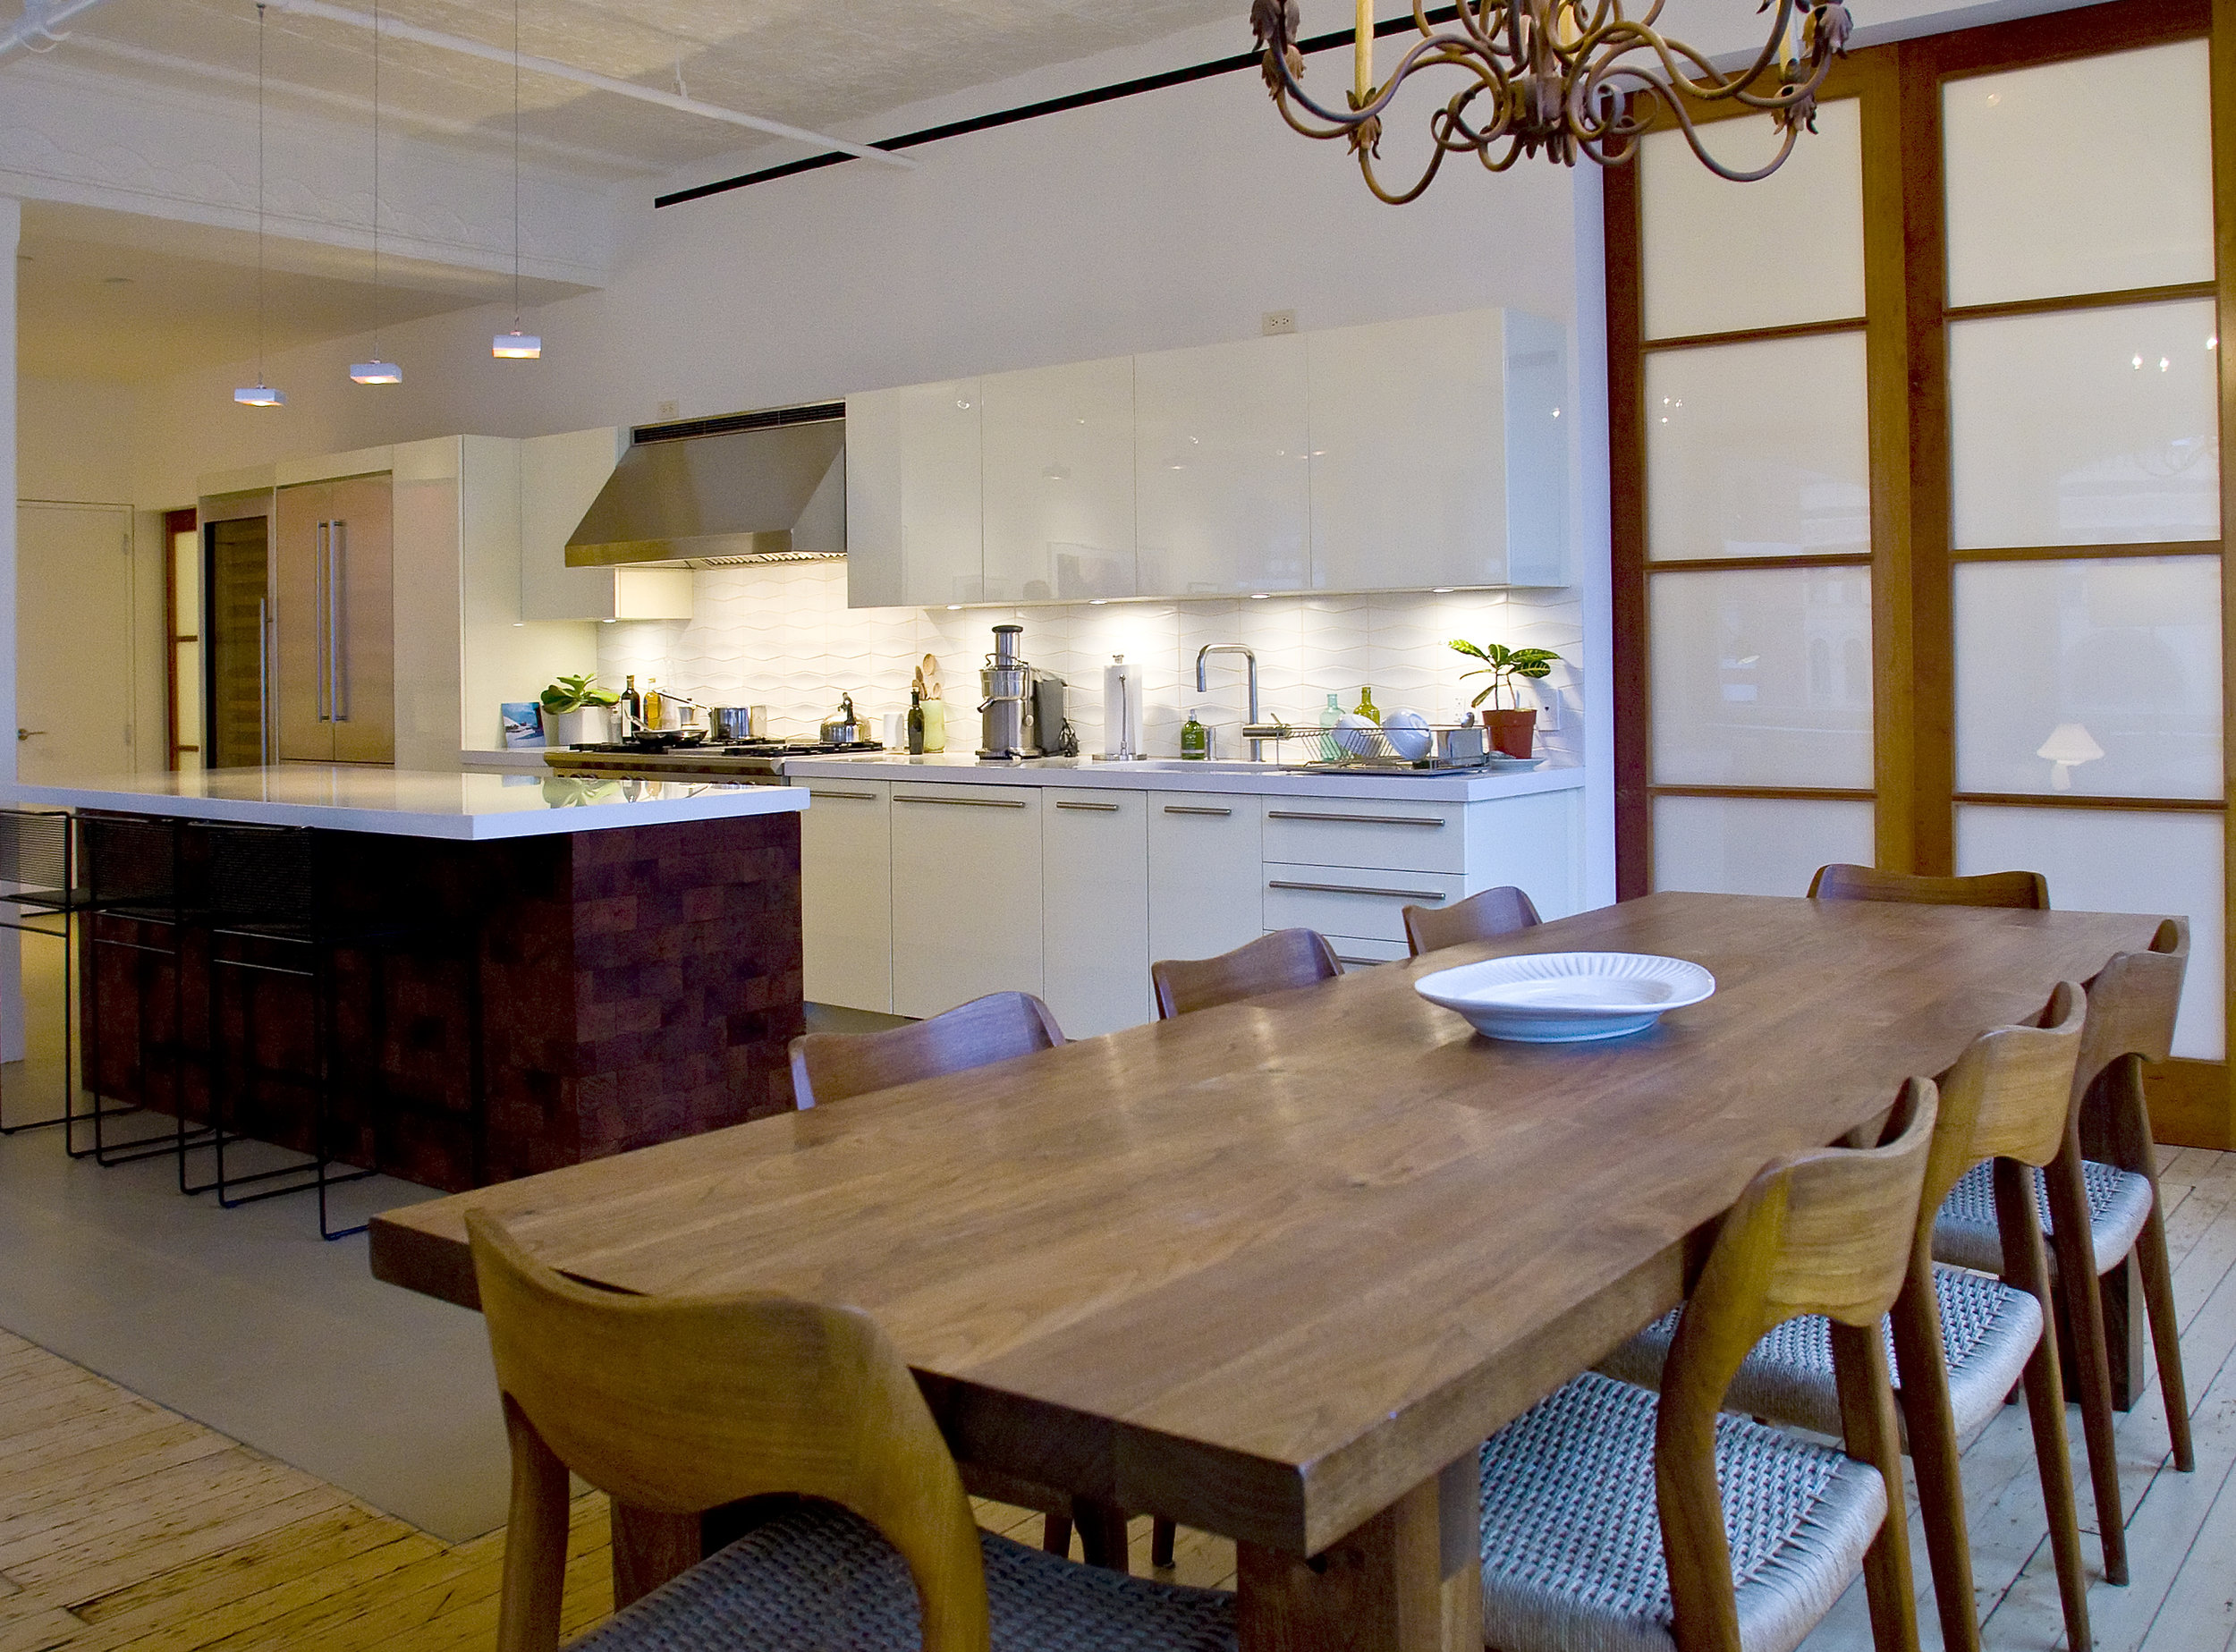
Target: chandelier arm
1692, 142
1421, 185
1441, 48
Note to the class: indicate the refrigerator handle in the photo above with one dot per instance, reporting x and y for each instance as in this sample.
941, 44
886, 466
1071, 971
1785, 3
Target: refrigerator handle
263, 684
323, 579
337, 650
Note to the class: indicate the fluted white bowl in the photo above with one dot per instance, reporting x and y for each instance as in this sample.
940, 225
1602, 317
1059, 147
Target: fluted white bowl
1567, 997
1409, 734
1354, 734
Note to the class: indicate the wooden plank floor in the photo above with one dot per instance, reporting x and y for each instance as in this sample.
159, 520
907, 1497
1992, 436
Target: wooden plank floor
125, 1526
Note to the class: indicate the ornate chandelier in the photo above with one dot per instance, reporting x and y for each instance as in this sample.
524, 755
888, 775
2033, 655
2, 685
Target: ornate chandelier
1557, 78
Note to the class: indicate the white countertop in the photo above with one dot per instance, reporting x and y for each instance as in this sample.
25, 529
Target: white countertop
1257, 778
412, 802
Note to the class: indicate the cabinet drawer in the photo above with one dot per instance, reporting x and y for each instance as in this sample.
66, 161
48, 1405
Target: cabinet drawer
1397, 836
1362, 902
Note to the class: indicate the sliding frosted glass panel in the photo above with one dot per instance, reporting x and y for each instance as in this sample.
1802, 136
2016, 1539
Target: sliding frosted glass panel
1722, 256
1719, 845
1762, 678
1758, 450
2093, 426
2120, 860
2092, 677
2089, 176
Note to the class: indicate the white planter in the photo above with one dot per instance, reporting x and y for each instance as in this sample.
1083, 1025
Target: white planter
589, 725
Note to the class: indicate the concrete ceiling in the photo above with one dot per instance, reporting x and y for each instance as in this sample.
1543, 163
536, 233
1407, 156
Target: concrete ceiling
108, 295
817, 63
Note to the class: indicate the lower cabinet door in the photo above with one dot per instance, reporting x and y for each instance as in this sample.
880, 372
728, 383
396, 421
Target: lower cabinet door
1206, 876
966, 893
1094, 869
846, 894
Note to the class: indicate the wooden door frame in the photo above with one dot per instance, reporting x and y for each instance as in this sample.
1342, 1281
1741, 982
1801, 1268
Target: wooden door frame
174, 523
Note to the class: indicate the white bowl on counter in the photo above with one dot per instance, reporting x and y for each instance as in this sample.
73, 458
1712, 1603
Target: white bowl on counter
1567, 997
1409, 734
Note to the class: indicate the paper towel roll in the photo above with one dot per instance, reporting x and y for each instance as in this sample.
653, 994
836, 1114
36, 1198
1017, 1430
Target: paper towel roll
1121, 710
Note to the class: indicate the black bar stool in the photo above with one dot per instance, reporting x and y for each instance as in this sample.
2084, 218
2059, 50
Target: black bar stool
37, 881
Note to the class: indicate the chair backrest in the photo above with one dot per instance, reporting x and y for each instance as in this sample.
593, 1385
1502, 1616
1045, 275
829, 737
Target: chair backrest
830, 1066
1283, 958
2007, 1096
1483, 917
2132, 1002
1829, 1231
1841, 882
680, 1404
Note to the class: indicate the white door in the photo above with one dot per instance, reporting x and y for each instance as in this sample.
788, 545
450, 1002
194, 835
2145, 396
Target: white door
74, 648
1206, 874
1095, 860
846, 894
966, 894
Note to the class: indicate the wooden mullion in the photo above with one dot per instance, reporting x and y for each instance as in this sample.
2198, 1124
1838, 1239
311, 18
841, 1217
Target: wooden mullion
2084, 32
1627, 505
2079, 799
1751, 565
174, 523
2157, 548
1798, 794
2175, 293
1756, 335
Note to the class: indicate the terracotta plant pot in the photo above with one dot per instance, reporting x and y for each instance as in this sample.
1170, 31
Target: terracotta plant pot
1513, 733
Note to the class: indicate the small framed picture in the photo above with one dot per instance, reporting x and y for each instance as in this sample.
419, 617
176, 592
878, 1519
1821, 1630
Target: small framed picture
523, 728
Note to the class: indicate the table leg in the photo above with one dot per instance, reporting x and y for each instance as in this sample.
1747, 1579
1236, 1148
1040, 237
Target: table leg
2123, 1293
1407, 1580
649, 1547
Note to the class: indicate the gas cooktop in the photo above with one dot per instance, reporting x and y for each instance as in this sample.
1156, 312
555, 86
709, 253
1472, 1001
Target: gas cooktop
652, 746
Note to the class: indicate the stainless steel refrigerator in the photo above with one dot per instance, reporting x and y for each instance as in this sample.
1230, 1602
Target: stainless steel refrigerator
333, 644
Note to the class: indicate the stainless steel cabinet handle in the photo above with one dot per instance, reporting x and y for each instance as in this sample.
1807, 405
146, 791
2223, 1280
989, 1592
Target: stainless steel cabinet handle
338, 658
1412, 820
1100, 809
1396, 894
321, 580
263, 684
1341, 959
1184, 808
858, 797
967, 802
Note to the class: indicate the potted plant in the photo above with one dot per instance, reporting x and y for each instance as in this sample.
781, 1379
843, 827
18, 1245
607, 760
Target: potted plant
574, 710
1512, 729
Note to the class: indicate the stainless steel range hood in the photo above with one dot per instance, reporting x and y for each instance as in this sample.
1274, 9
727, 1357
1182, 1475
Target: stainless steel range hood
748, 487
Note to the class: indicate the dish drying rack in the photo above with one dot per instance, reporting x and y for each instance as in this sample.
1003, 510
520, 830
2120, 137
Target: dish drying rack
1453, 747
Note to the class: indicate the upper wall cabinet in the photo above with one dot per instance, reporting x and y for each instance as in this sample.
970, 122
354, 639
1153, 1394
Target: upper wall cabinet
1222, 468
1398, 456
1438, 456
560, 478
1057, 482
913, 511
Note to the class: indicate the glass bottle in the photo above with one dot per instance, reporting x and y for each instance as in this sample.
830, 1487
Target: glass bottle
632, 708
1329, 718
655, 708
1195, 739
916, 723
1366, 707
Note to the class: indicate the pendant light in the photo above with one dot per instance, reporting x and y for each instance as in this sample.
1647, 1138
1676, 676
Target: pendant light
516, 346
260, 393
376, 371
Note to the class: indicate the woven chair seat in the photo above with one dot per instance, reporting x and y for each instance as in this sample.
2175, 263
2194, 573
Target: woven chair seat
1986, 1328
1572, 1539
1964, 1232
820, 1579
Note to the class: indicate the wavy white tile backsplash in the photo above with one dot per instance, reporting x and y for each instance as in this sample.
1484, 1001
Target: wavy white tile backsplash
781, 635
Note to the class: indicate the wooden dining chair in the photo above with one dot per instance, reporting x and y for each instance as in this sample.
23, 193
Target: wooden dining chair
1286, 958
1963, 1340
1841, 882
2099, 1201
830, 1066
1569, 1546
681, 1404
1482, 917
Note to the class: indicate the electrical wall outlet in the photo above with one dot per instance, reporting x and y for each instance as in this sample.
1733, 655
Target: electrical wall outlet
668, 409
1274, 322
1548, 704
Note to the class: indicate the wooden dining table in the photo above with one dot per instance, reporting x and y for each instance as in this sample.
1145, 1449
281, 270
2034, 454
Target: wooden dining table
1274, 1269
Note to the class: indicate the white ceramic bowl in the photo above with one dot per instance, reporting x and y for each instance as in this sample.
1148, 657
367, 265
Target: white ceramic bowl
1567, 997
1353, 735
1409, 734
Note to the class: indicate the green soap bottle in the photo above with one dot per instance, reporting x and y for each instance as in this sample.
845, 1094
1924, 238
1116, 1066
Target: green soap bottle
1195, 739
1367, 709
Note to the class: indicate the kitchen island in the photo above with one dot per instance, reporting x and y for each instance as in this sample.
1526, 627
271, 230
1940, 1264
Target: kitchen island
528, 972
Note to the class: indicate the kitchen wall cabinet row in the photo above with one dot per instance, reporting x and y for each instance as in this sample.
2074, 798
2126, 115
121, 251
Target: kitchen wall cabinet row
1400, 456
919, 896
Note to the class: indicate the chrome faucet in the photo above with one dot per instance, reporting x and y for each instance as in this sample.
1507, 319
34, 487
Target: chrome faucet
1203, 685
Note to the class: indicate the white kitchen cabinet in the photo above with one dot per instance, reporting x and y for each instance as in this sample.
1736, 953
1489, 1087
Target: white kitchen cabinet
1223, 468
1057, 482
1206, 877
1439, 453
846, 894
559, 479
967, 908
913, 511
1095, 873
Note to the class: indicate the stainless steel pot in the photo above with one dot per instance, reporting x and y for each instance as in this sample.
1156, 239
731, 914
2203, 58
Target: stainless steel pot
735, 723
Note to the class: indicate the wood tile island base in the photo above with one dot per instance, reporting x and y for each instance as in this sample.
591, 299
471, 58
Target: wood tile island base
638, 962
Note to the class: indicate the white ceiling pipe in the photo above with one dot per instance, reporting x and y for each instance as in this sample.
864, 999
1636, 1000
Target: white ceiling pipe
39, 21
398, 29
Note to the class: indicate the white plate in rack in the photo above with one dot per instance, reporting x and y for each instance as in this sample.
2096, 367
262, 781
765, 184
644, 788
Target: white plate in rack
1567, 997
